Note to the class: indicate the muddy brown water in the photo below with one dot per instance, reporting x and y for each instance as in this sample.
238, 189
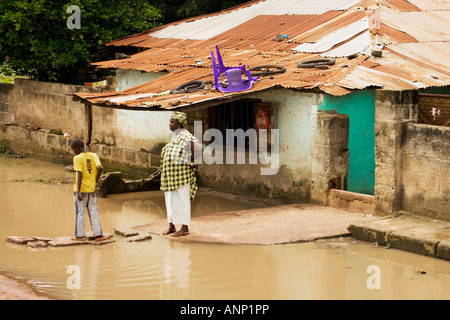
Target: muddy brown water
164, 269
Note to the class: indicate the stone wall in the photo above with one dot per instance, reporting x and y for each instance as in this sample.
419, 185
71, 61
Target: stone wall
412, 160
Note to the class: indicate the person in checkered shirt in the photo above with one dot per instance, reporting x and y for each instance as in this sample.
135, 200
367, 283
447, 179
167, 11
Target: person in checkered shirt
178, 179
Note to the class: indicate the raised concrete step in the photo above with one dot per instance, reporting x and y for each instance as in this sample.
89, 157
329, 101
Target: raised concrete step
410, 233
351, 201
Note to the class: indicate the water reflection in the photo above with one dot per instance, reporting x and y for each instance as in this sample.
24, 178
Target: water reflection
163, 269
177, 273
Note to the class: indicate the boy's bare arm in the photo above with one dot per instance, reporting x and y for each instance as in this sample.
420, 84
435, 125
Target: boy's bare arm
99, 173
79, 179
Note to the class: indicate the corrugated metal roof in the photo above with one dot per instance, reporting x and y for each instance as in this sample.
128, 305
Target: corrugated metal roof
414, 35
330, 40
423, 26
208, 27
431, 5
359, 44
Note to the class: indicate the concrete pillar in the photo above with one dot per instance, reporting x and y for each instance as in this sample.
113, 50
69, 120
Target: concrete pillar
329, 155
87, 125
393, 109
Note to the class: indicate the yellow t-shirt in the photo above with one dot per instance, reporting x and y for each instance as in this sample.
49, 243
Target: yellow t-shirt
86, 163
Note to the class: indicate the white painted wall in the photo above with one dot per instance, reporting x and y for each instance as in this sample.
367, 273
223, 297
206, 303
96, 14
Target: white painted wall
140, 129
130, 78
296, 120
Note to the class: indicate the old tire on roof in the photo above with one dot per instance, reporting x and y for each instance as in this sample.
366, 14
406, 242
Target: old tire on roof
190, 86
316, 63
265, 70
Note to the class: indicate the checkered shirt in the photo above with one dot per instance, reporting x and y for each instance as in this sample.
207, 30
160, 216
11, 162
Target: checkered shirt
176, 172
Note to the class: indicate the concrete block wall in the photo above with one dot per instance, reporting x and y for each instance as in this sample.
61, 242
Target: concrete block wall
392, 110
412, 160
6, 103
49, 105
425, 182
41, 144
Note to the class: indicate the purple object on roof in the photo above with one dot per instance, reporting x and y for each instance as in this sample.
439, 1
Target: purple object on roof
233, 75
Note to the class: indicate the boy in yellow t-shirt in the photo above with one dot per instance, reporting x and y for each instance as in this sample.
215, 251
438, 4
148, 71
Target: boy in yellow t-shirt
88, 170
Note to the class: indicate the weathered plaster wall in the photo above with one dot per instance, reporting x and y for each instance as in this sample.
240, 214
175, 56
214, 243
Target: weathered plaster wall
360, 107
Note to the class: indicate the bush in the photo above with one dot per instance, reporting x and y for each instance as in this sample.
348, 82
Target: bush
35, 36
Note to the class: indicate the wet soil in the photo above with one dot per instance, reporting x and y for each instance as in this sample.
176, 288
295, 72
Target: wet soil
31, 170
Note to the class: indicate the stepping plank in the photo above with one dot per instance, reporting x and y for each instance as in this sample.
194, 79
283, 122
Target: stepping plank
37, 244
19, 240
142, 236
126, 232
67, 241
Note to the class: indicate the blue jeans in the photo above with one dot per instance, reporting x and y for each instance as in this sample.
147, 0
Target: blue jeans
89, 202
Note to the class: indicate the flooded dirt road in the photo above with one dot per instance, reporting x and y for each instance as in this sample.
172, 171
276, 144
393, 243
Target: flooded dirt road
164, 269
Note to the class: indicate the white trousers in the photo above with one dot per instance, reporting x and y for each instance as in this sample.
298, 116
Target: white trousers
178, 205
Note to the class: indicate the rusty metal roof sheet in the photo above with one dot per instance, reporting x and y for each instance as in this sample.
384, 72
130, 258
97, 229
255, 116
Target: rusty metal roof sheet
333, 38
207, 27
414, 35
431, 5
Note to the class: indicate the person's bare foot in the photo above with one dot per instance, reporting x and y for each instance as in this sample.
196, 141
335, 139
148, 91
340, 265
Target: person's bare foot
170, 230
182, 232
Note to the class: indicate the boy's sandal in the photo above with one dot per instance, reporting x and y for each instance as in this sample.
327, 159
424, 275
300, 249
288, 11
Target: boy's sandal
101, 238
79, 239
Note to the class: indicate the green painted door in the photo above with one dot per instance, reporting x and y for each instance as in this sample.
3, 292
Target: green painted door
360, 107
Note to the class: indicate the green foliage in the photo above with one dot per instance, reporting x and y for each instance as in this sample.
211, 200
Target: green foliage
35, 37
7, 74
5, 147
